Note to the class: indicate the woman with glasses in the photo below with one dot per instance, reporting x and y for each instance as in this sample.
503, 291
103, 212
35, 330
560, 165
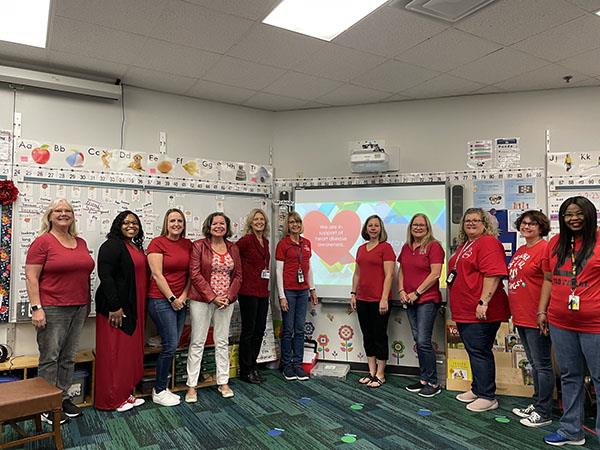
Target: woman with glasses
421, 260
295, 286
570, 309
120, 308
525, 278
478, 302
57, 276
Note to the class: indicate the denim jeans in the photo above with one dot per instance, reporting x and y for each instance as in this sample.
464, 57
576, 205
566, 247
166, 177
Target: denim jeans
422, 317
58, 342
538, 350
292, 334
573, 351
479, 340
253, 311
169, 324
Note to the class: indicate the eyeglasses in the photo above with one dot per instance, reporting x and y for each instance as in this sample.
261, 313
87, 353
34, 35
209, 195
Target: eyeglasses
62, 211
291, 222
127, 223
578, 215
419, 225
529, 224
473, 221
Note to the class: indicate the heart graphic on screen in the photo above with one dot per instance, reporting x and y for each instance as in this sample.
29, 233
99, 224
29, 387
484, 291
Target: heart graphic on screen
332, 239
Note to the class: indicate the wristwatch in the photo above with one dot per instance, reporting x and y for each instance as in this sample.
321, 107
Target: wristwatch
172, 298
36, 307
417, 294
482, 303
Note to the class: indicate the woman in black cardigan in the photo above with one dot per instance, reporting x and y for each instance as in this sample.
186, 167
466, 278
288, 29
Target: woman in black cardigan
120, 313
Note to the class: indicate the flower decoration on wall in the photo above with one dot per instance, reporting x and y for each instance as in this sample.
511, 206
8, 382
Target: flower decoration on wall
330, 317
323, 344
398, 350
346, 333
334, 354
309, 329
8, 192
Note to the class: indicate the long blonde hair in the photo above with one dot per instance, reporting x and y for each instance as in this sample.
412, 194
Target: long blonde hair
46, 225
489, 224
286, 226
165, 230
427, 239
248, 225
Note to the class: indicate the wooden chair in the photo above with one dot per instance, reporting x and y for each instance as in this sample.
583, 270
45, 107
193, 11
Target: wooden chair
25, 400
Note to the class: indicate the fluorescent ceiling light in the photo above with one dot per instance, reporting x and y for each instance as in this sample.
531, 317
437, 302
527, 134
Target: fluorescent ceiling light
323, 19
25, 22
597, 12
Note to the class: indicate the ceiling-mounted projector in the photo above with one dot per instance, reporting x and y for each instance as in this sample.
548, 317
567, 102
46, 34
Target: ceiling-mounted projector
369, 157
43, 80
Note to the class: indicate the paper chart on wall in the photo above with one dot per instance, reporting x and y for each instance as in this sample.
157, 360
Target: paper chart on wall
574, 164
505, 194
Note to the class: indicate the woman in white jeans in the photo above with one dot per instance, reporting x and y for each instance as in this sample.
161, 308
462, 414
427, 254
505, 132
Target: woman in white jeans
216, 276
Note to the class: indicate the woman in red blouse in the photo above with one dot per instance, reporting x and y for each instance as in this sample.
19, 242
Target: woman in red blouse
371, 288
525, 278
216, 276
254, 292
478, 302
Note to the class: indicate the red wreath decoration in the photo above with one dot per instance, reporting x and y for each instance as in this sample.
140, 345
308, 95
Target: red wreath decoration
8, 192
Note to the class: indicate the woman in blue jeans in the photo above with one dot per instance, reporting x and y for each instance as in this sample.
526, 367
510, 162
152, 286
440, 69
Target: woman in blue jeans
169, 260
569, 309
295, 286
421, 260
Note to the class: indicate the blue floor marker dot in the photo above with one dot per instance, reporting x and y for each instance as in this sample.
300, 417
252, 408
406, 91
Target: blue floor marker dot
424, 412
275, 432
304, 401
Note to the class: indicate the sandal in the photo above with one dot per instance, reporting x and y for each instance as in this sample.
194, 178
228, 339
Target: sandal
376, 383
366, 380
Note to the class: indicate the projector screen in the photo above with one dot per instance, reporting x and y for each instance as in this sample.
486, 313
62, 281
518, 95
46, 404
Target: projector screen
333, 219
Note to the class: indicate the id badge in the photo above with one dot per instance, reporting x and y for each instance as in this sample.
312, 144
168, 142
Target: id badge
265, 274
574, 302
300, 275
451, 277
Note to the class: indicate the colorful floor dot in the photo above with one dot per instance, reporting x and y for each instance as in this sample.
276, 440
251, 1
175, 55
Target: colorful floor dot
304, 401
424, 412
502, 419
356, 406
348, 438
275, 432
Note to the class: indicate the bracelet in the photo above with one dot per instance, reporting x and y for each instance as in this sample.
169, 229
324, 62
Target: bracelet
417, 294
542, 312
352, 293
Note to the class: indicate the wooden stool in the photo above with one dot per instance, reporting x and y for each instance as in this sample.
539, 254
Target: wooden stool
27, 399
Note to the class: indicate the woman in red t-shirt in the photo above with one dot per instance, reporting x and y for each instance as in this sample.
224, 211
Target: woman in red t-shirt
169, 260
57, 276
478, 302
525, 277
571, 287
421, 260
371, 289
254, 292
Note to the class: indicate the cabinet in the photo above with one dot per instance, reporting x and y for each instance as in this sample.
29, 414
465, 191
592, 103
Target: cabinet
23, 367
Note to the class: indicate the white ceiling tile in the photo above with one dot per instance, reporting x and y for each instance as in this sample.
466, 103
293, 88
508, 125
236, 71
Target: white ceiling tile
23, 53
240, 73
394, 76
509, 21
159, 81
548, 77
489, 90
135, 16
175, 58
498, 66
273, 102
265, 44
219, 92
389, 31
73, 36
397, 98
199, 27
338, 63
251, 9
564, 41
588, 62
85, 65
588, 5
299, 85
443, 86
448, 50
314, 105
349, 94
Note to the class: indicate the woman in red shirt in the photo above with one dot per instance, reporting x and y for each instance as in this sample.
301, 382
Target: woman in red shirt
371, 288
421, 260
478, 302
525, 277
57, 276
169, 260
295, 286
254, 292
571, 287
216, 274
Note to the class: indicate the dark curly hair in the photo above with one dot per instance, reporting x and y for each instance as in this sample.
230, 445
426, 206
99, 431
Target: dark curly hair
115, 229
209, 220
535, 216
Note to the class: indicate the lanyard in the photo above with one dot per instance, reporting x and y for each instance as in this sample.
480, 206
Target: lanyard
573, 266
262, 249
467, 246
299, 254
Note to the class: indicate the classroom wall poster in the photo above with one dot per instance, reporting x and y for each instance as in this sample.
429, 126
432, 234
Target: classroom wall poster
5, 239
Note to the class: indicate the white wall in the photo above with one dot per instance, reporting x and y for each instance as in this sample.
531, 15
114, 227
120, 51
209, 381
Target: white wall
432, 134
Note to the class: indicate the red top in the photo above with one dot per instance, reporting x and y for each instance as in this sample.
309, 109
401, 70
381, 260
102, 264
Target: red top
525, 278
416, 266
289, 252
175, 266
483, 257
65, 276
587, 319
255, 258
371, 274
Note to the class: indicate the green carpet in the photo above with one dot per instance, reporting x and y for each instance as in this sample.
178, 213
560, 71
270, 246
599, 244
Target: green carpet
314, 414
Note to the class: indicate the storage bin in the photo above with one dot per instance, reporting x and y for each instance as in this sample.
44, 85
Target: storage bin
329, 369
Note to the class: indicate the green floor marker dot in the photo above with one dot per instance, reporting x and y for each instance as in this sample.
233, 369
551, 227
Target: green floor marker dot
502, 419
356, 406
349, 438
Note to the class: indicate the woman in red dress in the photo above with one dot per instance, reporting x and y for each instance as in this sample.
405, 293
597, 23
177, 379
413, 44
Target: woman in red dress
120, 308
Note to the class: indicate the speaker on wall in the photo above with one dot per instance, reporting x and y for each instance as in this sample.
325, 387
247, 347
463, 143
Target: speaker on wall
456, 203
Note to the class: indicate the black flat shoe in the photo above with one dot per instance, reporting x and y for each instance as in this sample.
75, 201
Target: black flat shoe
258, 376
250, 378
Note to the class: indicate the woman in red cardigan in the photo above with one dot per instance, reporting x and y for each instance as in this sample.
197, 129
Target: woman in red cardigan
216, 276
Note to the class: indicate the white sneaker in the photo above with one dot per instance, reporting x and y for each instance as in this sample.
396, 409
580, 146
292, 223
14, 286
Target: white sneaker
136, 401
466, 397
524, 412
535, 420
482, 404
125, 406
164, 399
172, 395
